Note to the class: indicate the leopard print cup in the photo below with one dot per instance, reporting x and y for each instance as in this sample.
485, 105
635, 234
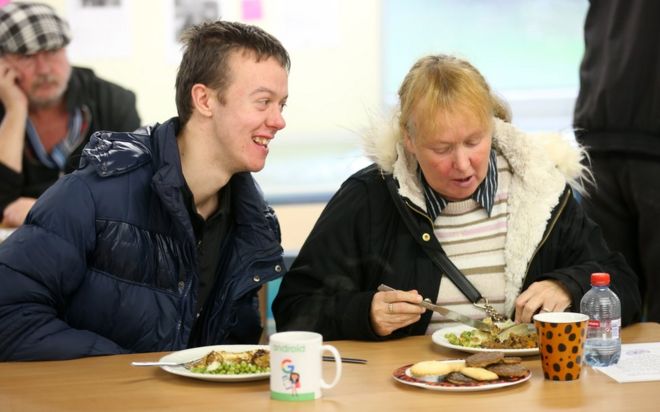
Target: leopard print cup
561, 343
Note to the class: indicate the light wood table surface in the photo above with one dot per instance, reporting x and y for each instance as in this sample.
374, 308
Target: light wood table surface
110, 383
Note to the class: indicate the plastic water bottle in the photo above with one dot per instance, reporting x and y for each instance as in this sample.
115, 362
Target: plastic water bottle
603, 344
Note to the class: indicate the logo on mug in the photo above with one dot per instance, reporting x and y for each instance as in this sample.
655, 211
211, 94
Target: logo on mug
289, 348
290, 378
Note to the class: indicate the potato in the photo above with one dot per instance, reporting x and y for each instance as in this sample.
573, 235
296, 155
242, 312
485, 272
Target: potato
479, 374
436, 368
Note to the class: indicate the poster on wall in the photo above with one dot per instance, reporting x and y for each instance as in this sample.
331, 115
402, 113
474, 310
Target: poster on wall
251, 10
180, 15
100, 29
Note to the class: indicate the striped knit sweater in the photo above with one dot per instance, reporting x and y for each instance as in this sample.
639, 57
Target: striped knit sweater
474, 242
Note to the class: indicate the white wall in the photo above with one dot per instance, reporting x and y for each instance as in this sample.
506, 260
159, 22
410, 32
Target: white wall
332, 88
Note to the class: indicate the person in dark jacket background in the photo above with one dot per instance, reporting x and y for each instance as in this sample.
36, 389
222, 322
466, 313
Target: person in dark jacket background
48, 109
162, 239
617, 118
461, 208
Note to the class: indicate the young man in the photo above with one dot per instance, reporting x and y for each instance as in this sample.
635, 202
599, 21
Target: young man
48, 109
161, 240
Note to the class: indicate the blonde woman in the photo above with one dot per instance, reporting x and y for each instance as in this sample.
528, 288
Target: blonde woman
459, 207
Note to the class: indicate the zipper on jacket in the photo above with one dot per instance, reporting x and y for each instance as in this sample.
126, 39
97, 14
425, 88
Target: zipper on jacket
184, 285
419, 212
563, 204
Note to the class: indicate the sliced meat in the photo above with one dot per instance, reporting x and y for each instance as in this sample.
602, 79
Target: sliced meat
261, 358
458, 378
509, 371
483, 359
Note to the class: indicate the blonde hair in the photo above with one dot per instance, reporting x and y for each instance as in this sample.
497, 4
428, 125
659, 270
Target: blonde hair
447, 85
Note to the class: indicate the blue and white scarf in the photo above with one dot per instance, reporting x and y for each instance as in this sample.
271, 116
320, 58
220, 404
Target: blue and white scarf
57, 158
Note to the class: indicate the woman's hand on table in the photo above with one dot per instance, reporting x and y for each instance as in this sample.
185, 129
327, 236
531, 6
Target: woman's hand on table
541, 296
394, 310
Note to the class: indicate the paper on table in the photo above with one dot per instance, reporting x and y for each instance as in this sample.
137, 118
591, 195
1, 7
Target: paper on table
639, 362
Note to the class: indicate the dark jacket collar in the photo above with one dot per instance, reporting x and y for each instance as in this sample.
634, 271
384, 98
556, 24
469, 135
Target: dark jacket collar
248, 205
113, 153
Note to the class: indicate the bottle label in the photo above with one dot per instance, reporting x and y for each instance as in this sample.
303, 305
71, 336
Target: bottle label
615, 326
608, 328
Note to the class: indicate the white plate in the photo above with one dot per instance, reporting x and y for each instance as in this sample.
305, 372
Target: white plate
404, 376
438, 338
188, 355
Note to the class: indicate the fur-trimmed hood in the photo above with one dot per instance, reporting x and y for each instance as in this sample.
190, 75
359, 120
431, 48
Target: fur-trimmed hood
384, 146
541, 164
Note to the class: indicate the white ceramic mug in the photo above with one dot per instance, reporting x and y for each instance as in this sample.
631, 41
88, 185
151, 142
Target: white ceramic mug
296, 366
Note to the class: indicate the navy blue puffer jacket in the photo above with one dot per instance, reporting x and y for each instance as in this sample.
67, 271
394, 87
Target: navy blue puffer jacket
106, 262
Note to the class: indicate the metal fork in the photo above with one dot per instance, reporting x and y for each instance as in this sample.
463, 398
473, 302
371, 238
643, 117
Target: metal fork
185, 364
188, 363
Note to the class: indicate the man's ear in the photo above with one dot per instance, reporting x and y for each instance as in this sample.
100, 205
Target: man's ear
202, 99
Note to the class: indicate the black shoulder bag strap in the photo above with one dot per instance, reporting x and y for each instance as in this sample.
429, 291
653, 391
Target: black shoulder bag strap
466, 287
441, 259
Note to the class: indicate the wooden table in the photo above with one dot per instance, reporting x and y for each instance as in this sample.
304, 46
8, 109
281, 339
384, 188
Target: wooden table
110, 383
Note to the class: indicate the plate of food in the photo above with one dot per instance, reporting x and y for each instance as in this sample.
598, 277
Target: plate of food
478, 372
224, 363
469, 339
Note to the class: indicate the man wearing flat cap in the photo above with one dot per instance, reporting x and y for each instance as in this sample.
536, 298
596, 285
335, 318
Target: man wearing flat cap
48, 109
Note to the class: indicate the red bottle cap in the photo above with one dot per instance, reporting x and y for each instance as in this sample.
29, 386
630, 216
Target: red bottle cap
600, 279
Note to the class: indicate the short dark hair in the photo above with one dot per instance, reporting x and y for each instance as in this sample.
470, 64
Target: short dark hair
205, 60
